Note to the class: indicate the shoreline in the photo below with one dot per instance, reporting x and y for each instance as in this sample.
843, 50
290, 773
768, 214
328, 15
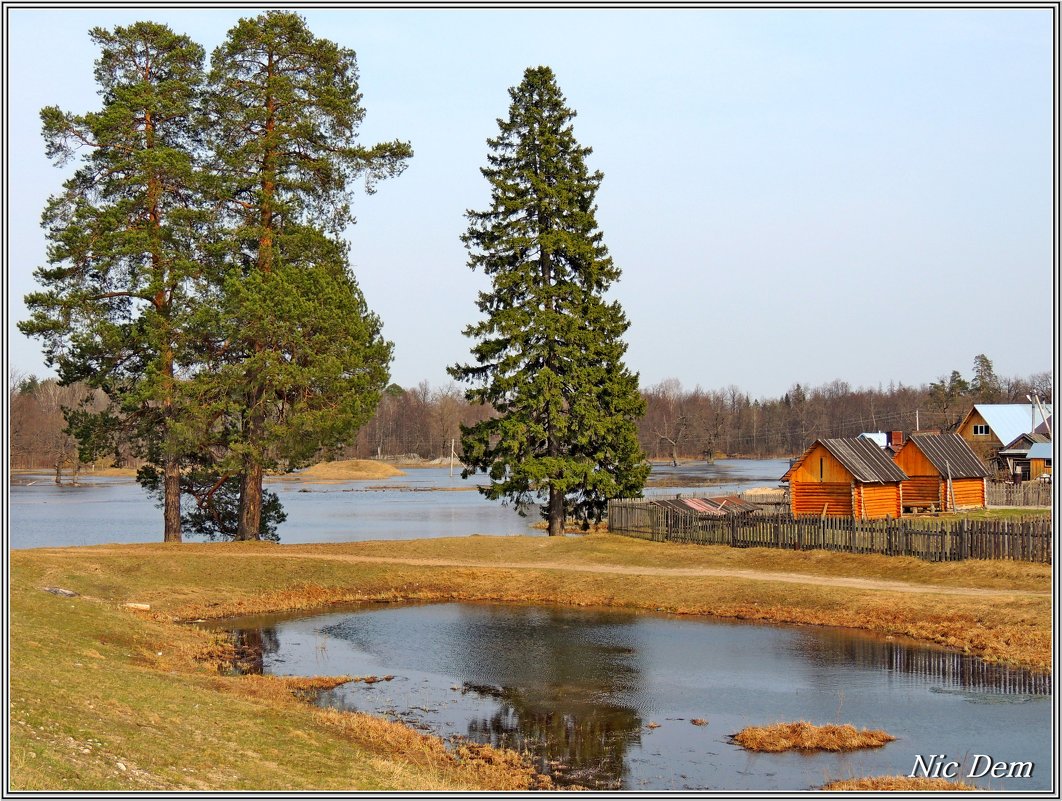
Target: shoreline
142, 687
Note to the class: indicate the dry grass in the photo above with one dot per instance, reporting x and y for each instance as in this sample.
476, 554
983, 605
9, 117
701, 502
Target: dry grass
212, 580
347, 470
125, 472
105, 699
138, 687
897, 783
804, 736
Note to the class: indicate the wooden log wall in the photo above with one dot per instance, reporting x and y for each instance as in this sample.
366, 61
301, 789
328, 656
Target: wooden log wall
929, 539
810, 497
922, 492
969, 492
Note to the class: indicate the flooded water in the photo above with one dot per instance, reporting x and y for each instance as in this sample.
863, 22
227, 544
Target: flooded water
606, 700
426, 502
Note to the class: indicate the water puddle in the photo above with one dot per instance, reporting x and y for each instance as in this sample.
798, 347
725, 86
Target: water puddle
609, 700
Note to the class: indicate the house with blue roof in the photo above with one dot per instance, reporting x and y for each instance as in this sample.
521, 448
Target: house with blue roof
990, 427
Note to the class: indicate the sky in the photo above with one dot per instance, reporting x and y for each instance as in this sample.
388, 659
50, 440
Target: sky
792, 195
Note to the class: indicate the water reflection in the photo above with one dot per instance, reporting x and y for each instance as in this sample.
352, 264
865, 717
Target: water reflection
553, 680
576, 741
576, 691
946, 669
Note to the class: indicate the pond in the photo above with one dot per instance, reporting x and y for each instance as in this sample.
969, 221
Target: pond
425, 502
607, 699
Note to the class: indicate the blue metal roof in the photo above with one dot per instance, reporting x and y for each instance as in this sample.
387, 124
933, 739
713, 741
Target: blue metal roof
1010, 420
1041, 450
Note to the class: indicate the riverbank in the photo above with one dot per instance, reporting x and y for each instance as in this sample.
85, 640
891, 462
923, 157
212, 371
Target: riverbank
95, 683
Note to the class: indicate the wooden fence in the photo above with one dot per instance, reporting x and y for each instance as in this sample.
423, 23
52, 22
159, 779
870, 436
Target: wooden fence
933, 540
1028, 493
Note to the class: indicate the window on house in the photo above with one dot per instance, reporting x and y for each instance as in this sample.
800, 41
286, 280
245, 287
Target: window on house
981, 431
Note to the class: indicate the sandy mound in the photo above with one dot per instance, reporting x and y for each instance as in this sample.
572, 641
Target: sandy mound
349, 470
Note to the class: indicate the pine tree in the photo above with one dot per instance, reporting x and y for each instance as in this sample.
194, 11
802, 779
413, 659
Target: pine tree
986, 386
549, 349
123, 254
284, 114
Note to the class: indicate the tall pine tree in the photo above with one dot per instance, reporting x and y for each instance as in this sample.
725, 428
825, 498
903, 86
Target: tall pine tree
284, 110
124, 257
549, 350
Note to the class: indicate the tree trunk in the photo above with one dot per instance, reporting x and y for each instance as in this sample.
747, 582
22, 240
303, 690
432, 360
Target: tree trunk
556, 512
249, 527
59, 472
172, 501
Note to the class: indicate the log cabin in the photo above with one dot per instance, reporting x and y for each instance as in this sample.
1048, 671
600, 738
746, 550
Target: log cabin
845, 478
943, 473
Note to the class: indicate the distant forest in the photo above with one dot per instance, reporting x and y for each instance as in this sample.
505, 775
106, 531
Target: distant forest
681, 423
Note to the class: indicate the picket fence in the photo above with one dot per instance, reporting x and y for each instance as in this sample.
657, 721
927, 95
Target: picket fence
1028, 493
926, 538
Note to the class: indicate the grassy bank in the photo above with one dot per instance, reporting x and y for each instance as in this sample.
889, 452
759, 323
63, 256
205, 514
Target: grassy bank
95, 684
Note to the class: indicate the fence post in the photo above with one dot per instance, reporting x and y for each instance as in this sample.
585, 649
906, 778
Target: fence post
733, 530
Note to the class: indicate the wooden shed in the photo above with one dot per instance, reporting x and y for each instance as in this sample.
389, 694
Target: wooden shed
943, 473
1040, 456
845, 478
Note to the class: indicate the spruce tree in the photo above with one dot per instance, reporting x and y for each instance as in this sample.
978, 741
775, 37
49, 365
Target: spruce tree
124, 257
284, 110
549, 349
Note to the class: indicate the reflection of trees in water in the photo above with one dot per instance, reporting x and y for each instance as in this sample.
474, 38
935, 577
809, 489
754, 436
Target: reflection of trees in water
252, 647
948, 668
565, 675
576, 741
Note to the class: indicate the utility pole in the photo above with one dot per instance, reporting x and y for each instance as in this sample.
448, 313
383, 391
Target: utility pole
1043, 414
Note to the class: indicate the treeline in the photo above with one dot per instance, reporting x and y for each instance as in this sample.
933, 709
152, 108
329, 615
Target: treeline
423, 422
697, 423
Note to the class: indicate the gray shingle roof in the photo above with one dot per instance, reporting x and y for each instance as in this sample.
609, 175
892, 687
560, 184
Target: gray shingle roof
864, 460
949, 451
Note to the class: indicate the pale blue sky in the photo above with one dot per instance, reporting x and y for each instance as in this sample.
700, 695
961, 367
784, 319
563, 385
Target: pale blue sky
793, 196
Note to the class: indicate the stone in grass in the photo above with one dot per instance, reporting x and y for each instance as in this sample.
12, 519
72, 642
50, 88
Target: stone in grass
61, 592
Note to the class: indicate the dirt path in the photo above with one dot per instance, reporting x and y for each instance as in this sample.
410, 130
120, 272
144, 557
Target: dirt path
678, 572
683, 572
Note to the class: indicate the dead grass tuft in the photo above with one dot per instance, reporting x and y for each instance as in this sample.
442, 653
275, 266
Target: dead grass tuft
804, 736
480, 765
897, 783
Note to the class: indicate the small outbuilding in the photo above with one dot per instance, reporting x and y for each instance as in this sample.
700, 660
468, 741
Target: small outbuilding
845, 478
1040, 461
943, 473
721, 506
1014, 458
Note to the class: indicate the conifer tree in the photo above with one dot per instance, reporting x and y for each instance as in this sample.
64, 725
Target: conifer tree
549, 349
124, 256
285, 109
